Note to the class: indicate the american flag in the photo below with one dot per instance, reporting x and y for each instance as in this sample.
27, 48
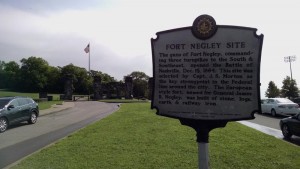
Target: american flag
87, 48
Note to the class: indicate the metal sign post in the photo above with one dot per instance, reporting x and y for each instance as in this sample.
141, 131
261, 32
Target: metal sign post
203, 128
203, 157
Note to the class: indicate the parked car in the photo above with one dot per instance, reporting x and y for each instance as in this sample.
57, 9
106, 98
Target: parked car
17, 109
282, 106
290, 126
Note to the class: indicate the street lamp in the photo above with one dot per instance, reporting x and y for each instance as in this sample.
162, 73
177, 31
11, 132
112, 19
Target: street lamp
290, 59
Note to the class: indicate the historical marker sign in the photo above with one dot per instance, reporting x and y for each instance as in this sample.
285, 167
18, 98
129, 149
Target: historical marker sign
207, 71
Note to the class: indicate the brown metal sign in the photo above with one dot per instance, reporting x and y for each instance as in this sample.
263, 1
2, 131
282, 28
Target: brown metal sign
207, 71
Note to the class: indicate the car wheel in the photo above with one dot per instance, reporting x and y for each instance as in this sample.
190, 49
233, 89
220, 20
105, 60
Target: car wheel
3, 124
286, 131
33, 118
273, 112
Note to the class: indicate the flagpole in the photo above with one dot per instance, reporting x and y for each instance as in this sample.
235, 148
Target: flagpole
89, 58
88, 50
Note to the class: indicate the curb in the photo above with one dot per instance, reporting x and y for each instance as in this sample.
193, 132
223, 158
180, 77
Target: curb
267, 130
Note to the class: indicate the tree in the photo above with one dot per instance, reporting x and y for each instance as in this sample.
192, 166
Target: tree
54, 82
289, 88
2, 75
140, 84
33, 74
105, 78
13, 70
272, 90
9, 74
2, 65
82, 82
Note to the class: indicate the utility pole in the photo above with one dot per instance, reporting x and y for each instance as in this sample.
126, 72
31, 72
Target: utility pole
290, 59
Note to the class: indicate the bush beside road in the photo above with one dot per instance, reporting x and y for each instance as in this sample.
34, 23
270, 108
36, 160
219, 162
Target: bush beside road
134, 137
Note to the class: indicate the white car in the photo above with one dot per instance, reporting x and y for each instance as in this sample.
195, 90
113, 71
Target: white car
282, 106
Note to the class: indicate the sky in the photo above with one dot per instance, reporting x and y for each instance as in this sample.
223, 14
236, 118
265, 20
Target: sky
119, 31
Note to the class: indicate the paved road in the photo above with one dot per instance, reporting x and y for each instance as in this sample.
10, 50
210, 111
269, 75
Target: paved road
23, 139
267, 120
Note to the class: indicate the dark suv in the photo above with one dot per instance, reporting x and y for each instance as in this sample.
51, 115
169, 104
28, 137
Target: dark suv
17, 109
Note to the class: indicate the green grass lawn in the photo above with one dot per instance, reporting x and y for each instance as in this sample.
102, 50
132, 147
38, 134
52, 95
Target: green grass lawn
135, 138
48, 104
42, 105
5, 93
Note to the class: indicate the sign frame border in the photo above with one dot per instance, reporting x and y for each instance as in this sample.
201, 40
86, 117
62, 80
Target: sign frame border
259, 37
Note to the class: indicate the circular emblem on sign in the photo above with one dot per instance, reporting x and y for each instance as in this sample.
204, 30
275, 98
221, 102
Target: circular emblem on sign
204, 27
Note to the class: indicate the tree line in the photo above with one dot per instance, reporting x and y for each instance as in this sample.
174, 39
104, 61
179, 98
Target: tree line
289, 89
36, 75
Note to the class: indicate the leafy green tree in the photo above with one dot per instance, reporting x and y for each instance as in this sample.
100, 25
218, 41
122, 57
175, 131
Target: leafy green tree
140, 84
12, 66
2, 65
82, 82
54, 82
272, 91
33, 74
9, 74
289, 88
105, 78
12, 70
2, 75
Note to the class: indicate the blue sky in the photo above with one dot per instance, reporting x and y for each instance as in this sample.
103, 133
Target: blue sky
120, 31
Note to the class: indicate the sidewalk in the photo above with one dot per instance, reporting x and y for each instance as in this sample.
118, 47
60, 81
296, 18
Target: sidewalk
57, 107
267, 130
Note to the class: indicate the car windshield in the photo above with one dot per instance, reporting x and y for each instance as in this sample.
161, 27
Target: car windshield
3, 103
283, 100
